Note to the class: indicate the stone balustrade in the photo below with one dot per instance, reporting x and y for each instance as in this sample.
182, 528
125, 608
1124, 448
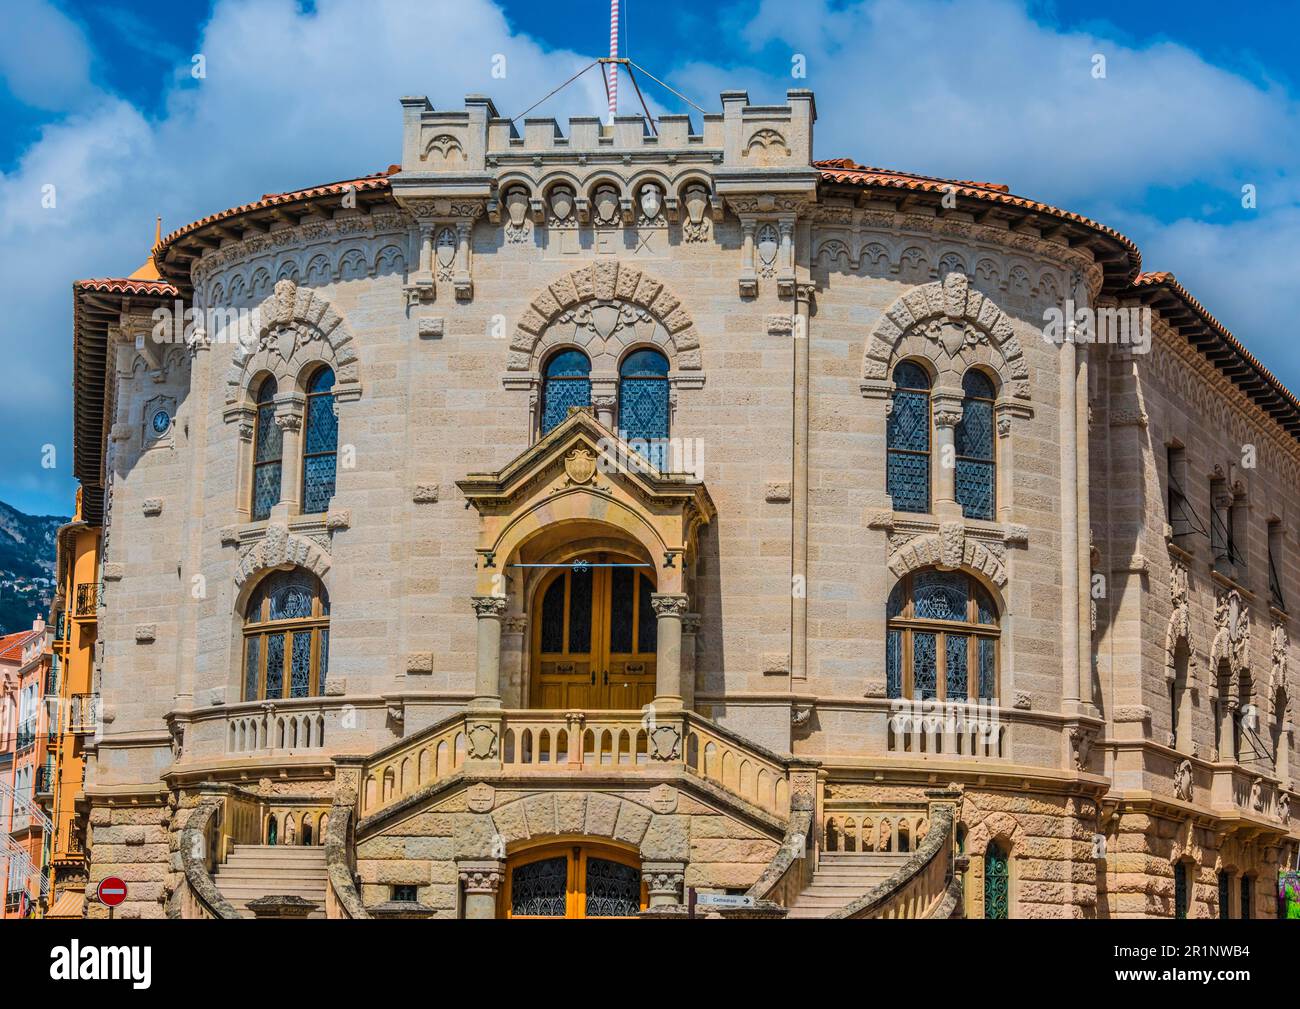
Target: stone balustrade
852, 825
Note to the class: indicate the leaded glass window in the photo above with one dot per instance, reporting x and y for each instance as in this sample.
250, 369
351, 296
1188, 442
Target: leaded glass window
996, 882
268, 452
286, 637
941, 638
567, 383
973, 440
540, 889
320, 439
908, 440
613, 889
643, 404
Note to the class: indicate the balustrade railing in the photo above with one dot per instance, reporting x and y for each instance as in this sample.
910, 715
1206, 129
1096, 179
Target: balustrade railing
852, 826
88, 600
83, 714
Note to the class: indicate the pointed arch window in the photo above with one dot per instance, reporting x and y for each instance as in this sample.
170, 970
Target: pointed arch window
268, 452
973, 438
567, 383
320, 443
643, 404
908, 439
286, 637
941, 638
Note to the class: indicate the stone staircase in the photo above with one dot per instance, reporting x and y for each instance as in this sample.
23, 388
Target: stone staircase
844, 876
260, 870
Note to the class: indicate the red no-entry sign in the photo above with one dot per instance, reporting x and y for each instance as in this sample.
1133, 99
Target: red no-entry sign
111, 891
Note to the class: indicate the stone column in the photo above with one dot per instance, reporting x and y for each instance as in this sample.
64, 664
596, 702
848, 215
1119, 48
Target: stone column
947, 415
799, 441
480, 880
603, 394
513, 648
487, 681
670, 608
663, 882
690, 628
289, 409
1069, 460
1228, 707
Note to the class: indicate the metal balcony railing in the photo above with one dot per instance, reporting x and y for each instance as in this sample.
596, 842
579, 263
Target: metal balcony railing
89, 600
26, 735
83, 714
45, 779
52, 677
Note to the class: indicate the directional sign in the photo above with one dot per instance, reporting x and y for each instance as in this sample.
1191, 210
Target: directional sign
724, 900
111, 891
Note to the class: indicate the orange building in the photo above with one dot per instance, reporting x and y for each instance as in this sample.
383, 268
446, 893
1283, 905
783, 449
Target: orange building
24, 769
75, 616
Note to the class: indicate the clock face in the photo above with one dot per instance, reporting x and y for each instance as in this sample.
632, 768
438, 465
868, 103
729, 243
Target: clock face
161, 423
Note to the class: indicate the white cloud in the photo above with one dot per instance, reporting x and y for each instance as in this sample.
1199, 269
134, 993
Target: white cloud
44, 58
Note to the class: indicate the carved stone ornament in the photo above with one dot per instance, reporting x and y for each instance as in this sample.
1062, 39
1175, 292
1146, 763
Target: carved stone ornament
606, 205
1257, 795
1081, 741
489, 606
1284, 809
696, 226
766, 247
480, 797
482, 741
480, 877
665, 743
1183, 781
663, 798
517, 211
562, 203
652, 201
580, 465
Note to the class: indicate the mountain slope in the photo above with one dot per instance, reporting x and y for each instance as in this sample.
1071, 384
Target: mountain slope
26, 566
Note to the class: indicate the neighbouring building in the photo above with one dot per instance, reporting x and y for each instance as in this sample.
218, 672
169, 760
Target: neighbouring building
71, 703
26, 774
559, 522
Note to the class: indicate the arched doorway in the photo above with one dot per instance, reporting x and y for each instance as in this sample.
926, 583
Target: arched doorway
573, 879
595, 635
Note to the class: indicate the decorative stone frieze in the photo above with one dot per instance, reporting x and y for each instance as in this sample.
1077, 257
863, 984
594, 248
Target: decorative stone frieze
145, 633
152, 506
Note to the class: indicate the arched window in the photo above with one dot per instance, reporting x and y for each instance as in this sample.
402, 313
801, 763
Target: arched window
996, 882
1180, 889
643, 404
973, 439
268, 451
567, 383
941, 638
320, 439
286, 637
908, 440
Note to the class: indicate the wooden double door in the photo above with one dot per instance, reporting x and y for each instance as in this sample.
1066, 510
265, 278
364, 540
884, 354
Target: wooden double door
594, 637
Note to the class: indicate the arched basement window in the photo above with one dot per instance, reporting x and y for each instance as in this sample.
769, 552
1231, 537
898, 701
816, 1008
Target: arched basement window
286, 637
320, 443
643, 404
268, 452
996, 882
941, 638
908, 440
567, 383
973, 439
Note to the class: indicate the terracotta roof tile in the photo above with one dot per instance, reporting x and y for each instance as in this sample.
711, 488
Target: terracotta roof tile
12, 645
128, 285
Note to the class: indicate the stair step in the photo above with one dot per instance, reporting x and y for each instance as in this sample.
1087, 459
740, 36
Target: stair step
253, 892
273, 871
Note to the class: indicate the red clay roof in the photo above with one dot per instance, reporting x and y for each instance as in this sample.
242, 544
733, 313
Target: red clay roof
12, 645
849, 172
126, 285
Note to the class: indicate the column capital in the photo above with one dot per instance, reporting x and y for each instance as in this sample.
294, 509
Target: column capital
669, 604
492, 607
664, 881
481, 876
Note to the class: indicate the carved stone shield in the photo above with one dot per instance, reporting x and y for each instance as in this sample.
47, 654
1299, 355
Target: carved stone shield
580, 465
651, 201
517, 206
697, 199
606, 205
561, 203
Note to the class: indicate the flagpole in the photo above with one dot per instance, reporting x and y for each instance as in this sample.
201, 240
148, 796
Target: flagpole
613, 55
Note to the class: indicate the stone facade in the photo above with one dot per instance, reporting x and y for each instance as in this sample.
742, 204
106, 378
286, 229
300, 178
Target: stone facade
782, 293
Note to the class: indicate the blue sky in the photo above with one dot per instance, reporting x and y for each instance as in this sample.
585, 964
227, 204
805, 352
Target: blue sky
98, 99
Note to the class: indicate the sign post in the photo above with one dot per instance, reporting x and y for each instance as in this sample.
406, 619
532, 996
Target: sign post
111, 892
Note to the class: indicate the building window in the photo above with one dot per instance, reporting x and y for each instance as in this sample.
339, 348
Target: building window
567, 384
286, 637
406, 893
1178, 510
1247, 897
320, 443
976, 469
1275, 594
908, 439
996, 879
643, 404
1225, 885
941, 639
1180, 890
268, 452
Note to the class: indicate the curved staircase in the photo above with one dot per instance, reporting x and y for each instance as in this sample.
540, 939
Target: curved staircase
260, 870
843, 877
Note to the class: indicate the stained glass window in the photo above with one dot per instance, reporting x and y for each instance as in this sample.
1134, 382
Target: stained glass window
268, 450
286, 637
996, 879
622, 610
643, 404
580, 611
567, 384
613, 889
908, 440
647, 631
540, 888
320, 443
941, 638
973, 440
